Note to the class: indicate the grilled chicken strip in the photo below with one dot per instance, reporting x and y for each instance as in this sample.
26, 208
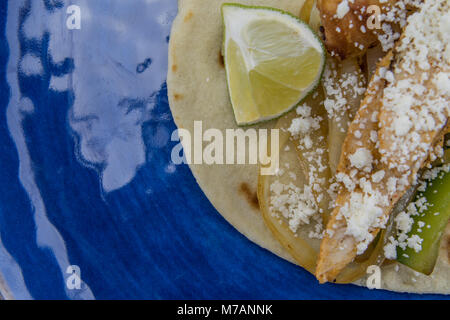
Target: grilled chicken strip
353, 26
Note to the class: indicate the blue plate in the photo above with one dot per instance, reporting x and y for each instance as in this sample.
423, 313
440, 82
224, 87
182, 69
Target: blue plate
90, 204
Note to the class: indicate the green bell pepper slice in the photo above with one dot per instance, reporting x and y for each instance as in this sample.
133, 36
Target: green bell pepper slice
437, 194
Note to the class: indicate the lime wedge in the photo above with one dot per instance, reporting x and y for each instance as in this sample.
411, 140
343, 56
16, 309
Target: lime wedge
272, 59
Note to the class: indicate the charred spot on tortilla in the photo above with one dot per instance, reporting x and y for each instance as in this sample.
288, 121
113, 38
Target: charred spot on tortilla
188, 16
221, 59
252, 197
174, 68
322, 34
448, 248
177, 96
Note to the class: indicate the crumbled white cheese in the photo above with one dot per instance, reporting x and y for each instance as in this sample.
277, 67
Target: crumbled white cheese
300, 125
390, 249
295, 205
362, 158
442, 82
339, 88
392, 185
378, 176
373, 136
346, 180
363, 212
415, 242
402, 125
342, 9
389, 76
404, 222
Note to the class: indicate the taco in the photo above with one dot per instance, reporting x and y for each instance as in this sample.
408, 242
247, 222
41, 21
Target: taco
363, 177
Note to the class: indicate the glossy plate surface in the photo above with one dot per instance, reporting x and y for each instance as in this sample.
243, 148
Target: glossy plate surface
87, 185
